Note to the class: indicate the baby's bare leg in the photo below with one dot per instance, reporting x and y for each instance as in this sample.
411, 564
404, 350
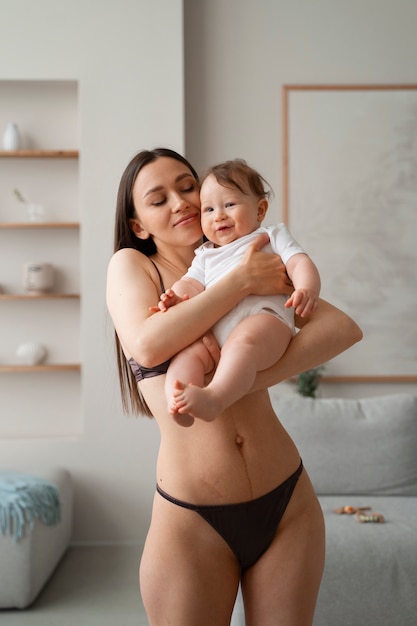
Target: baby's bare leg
190, 365
255, 344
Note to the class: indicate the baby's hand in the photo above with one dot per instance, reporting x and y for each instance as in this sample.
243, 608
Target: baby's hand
168, 299
304, 301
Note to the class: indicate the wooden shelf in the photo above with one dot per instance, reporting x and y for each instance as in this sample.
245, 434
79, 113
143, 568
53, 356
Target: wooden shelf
35, 225
370, 379
18, 369
38, 296
364, 379
39, 154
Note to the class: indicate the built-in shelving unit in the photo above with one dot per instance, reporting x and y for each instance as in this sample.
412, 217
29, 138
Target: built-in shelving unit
36, 154
40, 223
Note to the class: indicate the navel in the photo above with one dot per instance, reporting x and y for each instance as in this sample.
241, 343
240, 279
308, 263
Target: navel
239, 441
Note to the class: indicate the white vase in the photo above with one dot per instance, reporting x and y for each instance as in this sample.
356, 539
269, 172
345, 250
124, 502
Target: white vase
35, 212
11, 137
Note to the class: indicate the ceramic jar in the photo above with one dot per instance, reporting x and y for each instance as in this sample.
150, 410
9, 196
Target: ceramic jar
38, 278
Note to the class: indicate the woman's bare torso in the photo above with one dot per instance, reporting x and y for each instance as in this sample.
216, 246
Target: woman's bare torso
242, 454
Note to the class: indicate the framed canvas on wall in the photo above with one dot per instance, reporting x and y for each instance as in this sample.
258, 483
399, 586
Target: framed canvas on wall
350, 198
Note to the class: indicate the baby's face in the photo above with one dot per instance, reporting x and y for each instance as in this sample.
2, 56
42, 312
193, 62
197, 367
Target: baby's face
227, 213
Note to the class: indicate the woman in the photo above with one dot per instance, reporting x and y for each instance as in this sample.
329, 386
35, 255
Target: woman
196, 555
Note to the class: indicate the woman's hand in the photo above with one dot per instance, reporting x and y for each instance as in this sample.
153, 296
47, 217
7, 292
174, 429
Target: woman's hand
213, 349
265, 272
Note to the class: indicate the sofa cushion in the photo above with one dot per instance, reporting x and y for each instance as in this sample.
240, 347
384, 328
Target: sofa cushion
370, 574
354, 446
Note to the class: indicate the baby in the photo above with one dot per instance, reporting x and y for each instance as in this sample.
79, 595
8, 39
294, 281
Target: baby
256, 333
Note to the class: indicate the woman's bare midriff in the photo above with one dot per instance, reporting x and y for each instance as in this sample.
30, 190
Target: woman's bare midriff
241, 455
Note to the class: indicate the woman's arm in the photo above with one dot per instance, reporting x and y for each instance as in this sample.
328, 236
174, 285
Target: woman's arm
151, 338
324, 335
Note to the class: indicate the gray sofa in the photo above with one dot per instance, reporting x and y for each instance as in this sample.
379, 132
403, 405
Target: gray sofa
360, 453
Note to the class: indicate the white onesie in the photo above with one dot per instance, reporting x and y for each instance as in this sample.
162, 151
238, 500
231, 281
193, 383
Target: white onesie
211, 263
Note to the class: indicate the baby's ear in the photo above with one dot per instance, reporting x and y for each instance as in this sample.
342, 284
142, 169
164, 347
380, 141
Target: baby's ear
262, 209
137, 229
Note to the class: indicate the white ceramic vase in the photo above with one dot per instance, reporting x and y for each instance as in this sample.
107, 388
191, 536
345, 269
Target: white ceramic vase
11, 137
34, 212
31, 353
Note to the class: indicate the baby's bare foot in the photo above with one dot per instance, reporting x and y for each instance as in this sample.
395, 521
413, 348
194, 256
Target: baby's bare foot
183, 419
196, 401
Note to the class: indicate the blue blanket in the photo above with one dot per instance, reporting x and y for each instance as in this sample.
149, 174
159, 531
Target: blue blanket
26, 498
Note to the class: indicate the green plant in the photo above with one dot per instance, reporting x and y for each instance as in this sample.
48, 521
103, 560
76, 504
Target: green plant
19, 196
308, 382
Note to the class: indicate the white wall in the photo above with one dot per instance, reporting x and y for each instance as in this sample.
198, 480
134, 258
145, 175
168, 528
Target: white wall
239, 53
127, 57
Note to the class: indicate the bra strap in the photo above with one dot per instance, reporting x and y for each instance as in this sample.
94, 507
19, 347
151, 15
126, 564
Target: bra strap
161, 284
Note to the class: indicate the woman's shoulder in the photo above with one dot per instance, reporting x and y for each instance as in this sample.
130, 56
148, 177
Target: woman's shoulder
128, 264
127, 257
129, 254
131, 272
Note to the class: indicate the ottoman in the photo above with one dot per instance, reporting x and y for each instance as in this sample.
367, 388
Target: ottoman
27, 561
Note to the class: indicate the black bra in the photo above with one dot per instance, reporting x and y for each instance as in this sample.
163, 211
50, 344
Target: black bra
140, 372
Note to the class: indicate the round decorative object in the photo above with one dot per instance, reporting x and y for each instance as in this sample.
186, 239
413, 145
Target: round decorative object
11, 137
31, 353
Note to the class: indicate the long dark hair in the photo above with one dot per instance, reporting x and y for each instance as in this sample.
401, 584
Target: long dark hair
132, 399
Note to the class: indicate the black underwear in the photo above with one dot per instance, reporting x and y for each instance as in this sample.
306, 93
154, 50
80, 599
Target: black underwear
141, 372
138, 370
247, 527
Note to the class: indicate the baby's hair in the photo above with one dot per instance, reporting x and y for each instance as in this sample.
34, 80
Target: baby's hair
237, 173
